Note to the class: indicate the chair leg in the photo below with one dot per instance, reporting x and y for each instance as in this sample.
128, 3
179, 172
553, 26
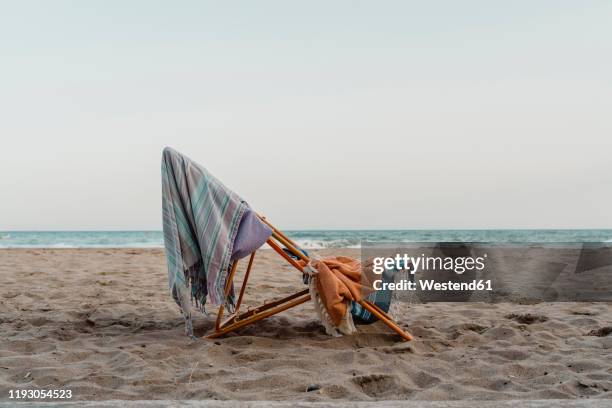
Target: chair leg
245, 280
262, 312
385, 318
231, 317
228, 287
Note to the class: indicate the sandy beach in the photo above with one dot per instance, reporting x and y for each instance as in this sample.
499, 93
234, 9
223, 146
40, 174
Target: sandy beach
101, 323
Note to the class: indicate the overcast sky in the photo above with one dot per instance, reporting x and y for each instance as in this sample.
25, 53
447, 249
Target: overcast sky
331, 114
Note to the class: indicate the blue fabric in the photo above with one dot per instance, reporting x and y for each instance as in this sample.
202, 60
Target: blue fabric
381, 298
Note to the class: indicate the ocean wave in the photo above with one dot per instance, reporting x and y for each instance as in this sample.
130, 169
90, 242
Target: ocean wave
80, 246
309, 240
304, 243
322, 244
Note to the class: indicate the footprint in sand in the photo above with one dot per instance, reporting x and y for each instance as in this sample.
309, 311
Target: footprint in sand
600, 332
376, 385
527, 318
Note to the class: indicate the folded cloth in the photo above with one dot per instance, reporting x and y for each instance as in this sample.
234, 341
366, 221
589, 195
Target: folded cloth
252, 233
338, 283
201, 218
381, 298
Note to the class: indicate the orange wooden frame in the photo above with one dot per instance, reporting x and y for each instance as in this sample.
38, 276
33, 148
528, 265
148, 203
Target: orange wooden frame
277, 241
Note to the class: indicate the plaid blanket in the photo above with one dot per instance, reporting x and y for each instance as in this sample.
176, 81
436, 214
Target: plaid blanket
201, 219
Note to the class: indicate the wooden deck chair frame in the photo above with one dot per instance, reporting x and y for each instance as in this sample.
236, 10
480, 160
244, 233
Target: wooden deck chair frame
277, 241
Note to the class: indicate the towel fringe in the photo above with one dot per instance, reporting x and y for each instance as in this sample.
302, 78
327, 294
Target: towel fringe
346, 326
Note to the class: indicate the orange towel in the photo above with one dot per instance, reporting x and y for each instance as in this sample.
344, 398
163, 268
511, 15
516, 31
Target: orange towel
338, 282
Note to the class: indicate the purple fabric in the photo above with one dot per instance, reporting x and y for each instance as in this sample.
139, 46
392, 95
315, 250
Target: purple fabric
252, 233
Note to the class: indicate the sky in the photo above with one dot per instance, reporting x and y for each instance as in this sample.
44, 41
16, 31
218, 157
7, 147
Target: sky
322, 115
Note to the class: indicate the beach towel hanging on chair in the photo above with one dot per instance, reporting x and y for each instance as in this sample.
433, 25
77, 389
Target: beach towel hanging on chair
201, 220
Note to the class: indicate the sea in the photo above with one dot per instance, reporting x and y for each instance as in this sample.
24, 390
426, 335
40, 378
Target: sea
308, 239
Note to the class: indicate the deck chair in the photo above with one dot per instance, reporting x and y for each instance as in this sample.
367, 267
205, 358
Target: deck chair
284, 247
202, 225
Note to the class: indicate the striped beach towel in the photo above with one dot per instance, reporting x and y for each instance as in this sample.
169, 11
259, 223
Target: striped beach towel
201, 218
381, 298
